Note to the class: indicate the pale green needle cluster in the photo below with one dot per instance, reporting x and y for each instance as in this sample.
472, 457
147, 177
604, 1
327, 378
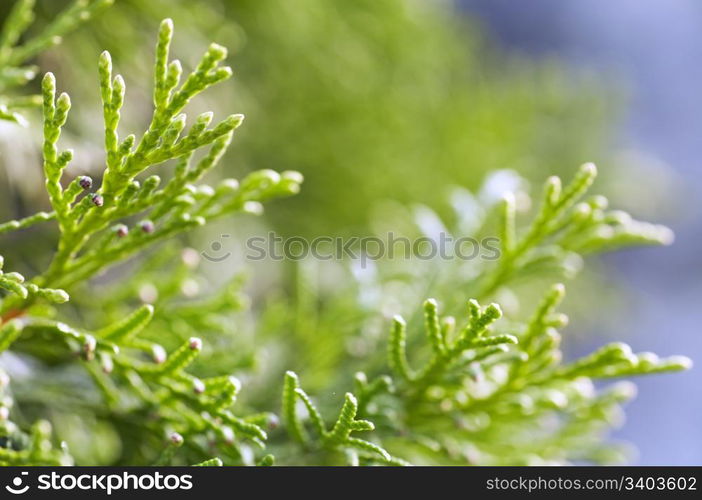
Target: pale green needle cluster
339, 436
496, 389
95, 233
483, 396
565, 227
14, 282
509, 379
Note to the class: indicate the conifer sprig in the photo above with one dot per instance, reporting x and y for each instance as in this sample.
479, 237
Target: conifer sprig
339, 436
513, 378
564, 227
95, 233
93, 225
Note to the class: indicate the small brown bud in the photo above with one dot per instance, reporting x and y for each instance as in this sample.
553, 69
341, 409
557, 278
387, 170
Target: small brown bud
85, 182
147, 226
121, 230
176, 439
198, 386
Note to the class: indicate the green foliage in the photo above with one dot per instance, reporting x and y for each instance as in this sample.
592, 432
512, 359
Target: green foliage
15, 54
561, 229
419, 98
150, 372
339, 436
487, 393
176, 207
488, 398
94, 235
495, 388
16, 446
411, 86
14, 282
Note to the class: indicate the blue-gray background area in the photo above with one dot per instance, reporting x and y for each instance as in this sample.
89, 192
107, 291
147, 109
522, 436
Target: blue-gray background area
656, 48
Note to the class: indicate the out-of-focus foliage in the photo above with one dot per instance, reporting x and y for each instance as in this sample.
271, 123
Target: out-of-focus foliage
370, 100
485, 389
476, 388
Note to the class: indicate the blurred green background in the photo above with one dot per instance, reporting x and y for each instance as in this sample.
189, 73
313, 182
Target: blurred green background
398, 99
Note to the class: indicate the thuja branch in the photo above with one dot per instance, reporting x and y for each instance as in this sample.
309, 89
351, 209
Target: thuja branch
564, 228
95, 232
516, 377
177, 206
339, 436
93, 235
